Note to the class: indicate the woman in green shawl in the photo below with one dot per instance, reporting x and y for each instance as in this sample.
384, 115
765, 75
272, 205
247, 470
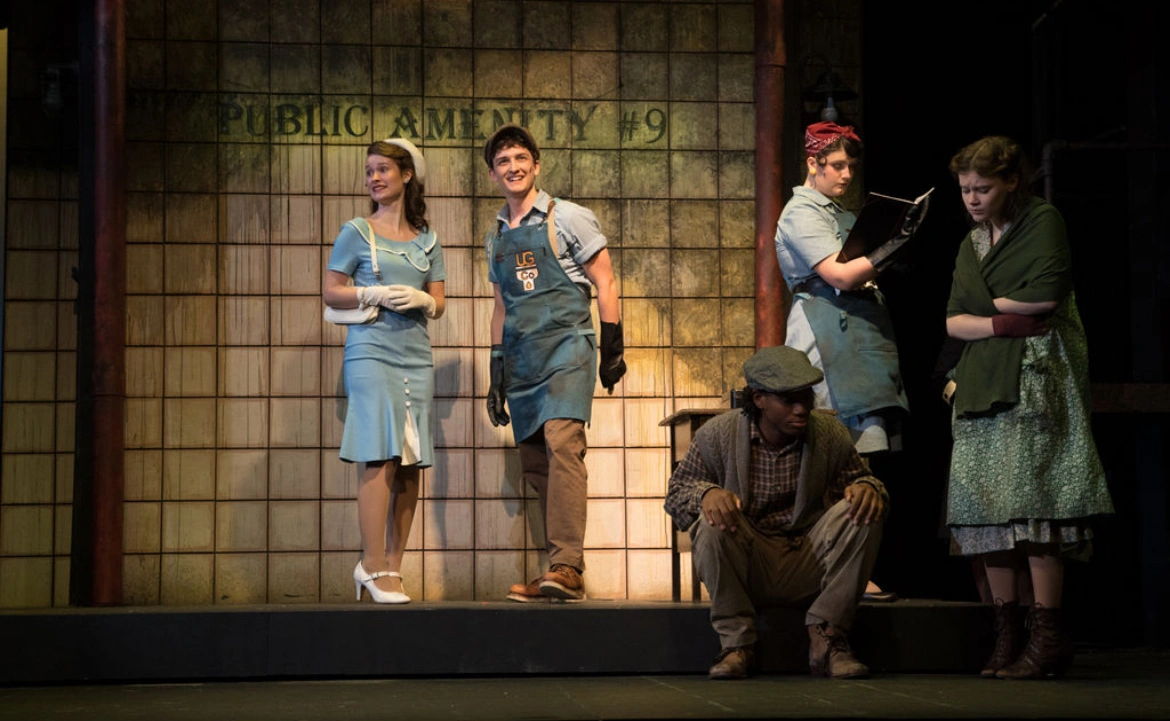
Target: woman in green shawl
1025, 476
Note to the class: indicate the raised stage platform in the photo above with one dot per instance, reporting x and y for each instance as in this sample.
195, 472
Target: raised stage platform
452, 639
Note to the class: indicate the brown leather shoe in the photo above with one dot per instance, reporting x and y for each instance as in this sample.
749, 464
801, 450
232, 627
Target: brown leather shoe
732, 663
564, 582
528, 592
829, 653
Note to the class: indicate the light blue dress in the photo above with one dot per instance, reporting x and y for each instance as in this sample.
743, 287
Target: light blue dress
389, 369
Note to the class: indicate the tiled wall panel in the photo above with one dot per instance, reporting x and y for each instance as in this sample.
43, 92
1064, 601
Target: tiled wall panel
246, 139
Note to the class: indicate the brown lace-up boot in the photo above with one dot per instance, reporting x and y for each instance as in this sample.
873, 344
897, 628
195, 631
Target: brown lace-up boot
829, 653
1010, 637
1049, 652
732, 663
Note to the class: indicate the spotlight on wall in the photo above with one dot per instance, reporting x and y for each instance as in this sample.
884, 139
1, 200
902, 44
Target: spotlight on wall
827, 90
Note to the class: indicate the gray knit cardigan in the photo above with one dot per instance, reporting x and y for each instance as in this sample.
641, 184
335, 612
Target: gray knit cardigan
724, 447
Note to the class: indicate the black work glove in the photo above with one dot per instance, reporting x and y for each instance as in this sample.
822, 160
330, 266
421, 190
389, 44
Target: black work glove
496, 393
613, 366
914, 217
882, 256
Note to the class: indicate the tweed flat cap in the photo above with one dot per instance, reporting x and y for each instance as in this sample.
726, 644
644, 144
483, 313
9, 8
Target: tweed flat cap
780, 369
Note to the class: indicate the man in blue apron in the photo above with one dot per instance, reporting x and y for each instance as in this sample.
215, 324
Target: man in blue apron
543, 255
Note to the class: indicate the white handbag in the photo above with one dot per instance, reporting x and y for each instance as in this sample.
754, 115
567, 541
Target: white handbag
361, 314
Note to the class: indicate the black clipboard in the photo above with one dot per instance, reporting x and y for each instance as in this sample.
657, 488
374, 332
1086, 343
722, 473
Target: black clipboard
882, 217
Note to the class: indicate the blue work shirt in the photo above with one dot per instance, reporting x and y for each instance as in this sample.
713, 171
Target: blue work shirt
579, 236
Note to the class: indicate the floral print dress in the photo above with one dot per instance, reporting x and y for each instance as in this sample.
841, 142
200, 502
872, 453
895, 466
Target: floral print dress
1031, 473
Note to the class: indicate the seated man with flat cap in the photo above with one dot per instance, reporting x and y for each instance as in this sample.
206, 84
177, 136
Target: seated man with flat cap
782, 511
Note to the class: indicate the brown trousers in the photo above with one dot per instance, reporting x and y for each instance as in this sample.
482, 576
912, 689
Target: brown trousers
828, 567
553, 462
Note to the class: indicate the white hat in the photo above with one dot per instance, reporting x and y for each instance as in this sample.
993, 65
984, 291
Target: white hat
416, 156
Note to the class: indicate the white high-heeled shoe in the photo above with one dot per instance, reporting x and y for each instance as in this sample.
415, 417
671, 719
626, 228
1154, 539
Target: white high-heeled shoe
361, 578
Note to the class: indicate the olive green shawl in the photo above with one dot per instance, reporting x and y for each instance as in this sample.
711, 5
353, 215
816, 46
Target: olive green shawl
1030, 264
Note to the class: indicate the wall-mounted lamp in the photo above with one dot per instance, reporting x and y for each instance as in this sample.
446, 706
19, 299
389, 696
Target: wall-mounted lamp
58, 87
828, 90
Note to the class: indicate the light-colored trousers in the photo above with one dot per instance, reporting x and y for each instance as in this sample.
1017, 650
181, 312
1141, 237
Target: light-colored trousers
829, 567
553, 462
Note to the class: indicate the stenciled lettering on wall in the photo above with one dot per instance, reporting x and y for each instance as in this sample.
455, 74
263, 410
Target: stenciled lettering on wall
261, 120
290, 121
632, 124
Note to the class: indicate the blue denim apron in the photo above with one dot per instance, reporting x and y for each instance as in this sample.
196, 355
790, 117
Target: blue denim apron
856, 340
550, 349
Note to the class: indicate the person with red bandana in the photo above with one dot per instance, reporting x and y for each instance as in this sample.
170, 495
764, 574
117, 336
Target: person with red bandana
838, 318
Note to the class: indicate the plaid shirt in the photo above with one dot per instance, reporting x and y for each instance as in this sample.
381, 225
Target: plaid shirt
775, 472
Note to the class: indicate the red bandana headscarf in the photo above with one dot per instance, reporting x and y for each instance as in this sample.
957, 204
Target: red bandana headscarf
818, 136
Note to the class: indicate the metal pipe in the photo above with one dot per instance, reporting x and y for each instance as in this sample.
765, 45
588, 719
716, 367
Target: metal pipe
108, 283
771, 59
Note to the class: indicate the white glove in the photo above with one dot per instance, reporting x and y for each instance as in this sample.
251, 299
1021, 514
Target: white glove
374, 295
403, 298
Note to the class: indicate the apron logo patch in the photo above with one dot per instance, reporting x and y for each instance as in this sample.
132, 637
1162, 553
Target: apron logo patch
526, 270
527, 277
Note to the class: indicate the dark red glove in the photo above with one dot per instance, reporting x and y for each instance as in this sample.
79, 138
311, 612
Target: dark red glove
1016, 325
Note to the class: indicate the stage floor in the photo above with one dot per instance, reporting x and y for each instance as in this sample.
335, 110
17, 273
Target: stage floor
1130, 683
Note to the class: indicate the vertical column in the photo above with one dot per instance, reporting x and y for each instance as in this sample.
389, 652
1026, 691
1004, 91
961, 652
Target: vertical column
769, 83
97, 548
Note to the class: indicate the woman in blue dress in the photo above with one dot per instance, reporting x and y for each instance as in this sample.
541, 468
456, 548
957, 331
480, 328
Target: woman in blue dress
389, 370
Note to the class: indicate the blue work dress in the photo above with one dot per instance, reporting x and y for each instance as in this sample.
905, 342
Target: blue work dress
389, 369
